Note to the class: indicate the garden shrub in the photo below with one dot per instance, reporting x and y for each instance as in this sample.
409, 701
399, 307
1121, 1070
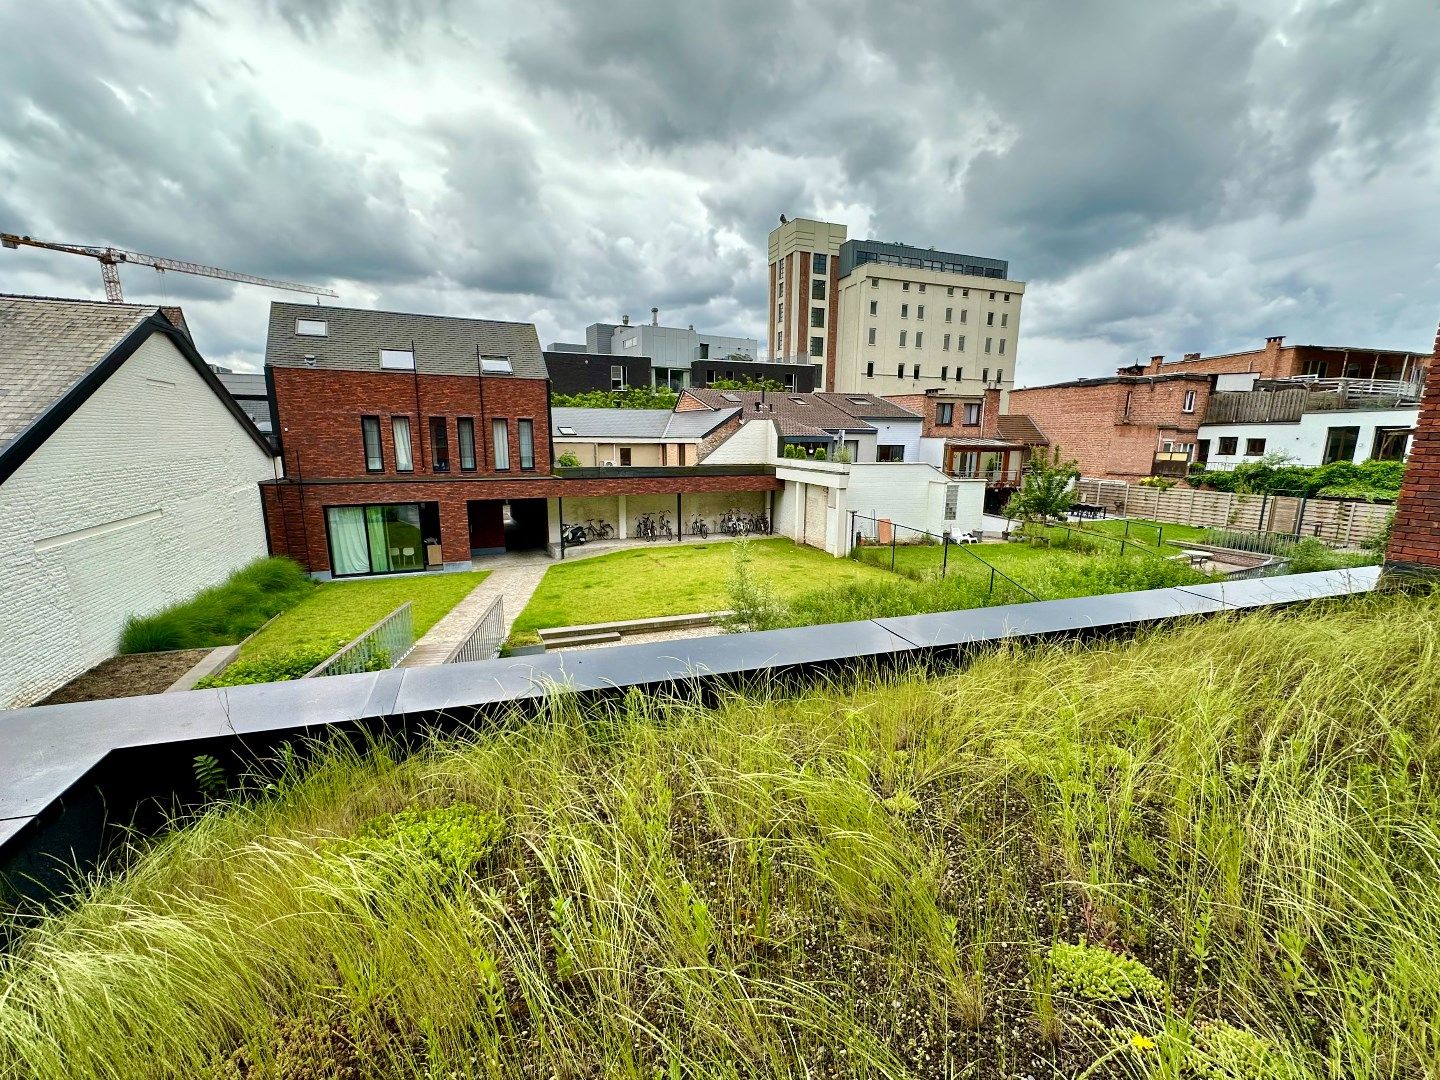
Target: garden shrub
1097, 974
283, 666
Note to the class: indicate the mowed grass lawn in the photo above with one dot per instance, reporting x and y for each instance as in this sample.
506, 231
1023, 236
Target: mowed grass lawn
678, 579
346, 609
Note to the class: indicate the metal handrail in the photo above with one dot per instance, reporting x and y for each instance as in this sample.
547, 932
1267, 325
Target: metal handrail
485, 637
393, 636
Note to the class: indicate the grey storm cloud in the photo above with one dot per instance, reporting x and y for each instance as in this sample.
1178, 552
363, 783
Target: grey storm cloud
1166, 177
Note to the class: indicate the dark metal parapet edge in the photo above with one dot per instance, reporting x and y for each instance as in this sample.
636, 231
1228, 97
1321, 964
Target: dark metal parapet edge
71, 775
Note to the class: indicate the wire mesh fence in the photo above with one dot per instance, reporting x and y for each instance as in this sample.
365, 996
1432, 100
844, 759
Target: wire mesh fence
485, 637
383, 646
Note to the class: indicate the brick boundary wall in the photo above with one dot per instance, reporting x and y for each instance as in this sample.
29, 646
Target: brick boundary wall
1415, 539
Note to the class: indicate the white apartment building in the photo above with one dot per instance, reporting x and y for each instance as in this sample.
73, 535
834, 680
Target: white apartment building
891, 318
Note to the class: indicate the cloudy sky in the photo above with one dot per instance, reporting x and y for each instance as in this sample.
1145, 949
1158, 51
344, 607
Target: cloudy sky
1167, 176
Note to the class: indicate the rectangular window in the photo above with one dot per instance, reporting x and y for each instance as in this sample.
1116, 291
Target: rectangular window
874, 307
1189, 403
374, 453
872, 335
500, 437
439, 445
817, 290
1254, 447
890, 452
870, 368
972, 413
527, 444
920, 311
617, 377
1340, 444
902, 339
374, 539
400, 428
397, 359
817, 316
1228, 444
904, 311
465, 436
945, 411
817, 263
949, 314
817, 346
916, 370
312, 328
919, 338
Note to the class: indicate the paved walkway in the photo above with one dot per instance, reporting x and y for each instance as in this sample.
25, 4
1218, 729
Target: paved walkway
513, 578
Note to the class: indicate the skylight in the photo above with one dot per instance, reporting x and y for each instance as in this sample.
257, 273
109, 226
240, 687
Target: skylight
497, 365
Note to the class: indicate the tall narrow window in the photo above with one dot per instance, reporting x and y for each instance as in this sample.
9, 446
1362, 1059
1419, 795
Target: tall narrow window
400, 428
374, 454
439, 444
500, 436
527, 444
465, 436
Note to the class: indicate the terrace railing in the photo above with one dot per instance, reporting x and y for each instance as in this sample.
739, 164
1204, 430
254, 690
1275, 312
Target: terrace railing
383, 646
485, 637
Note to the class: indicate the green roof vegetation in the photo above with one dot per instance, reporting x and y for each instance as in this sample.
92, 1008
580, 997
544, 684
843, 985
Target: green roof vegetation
1208, 852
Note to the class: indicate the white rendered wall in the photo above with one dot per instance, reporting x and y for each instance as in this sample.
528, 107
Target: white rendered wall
145, 496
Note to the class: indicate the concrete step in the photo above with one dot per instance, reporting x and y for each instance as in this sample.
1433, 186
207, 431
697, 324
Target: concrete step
596, 638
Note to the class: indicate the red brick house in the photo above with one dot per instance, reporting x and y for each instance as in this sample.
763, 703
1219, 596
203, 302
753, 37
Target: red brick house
415, 442
1123, 427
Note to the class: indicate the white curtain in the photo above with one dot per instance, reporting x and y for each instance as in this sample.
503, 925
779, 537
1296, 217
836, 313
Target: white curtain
401, 426
349, 551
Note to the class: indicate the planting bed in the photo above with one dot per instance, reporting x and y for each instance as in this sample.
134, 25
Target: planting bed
1208, 854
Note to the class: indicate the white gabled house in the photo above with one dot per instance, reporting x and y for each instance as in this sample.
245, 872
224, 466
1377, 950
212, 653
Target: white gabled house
128, 481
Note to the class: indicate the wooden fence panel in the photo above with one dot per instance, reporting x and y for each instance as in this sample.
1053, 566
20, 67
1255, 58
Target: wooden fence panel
1339, 521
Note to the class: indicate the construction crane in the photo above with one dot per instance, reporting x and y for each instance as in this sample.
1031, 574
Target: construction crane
110, 259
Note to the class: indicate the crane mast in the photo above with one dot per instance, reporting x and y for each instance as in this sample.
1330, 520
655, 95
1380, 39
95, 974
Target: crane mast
110, 259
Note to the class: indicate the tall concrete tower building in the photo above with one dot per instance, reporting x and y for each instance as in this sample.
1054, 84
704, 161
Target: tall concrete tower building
885, 318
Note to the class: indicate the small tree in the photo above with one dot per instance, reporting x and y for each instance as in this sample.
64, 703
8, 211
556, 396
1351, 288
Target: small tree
1045, 492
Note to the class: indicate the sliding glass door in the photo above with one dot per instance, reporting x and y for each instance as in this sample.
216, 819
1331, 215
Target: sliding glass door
375, 539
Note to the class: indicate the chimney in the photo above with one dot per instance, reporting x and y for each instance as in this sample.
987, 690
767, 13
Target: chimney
624, 320
990, 413
176, 317
654, 316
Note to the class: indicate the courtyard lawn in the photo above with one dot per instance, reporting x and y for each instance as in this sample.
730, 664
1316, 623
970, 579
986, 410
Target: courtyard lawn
346, 609
678, 579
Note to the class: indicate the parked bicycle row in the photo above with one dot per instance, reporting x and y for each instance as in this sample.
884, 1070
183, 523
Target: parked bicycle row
659, 526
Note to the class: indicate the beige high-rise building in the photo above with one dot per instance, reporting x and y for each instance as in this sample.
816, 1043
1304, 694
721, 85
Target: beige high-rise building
890, 318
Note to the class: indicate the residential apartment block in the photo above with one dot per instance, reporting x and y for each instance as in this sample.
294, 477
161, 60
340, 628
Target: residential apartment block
673, 351
1121, 427
890, 318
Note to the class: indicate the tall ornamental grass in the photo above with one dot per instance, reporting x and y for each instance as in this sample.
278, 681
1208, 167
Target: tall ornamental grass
1212, 852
